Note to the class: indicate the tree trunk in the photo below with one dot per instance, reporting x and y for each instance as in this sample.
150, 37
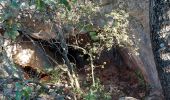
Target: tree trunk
160, 27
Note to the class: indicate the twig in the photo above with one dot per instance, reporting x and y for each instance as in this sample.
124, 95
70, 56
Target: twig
71, 73
92, 69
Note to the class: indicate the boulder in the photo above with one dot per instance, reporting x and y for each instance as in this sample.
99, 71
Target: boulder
28, 54
139, 31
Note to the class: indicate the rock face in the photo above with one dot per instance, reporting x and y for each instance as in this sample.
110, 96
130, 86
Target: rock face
26, 54
38, 27
140, 28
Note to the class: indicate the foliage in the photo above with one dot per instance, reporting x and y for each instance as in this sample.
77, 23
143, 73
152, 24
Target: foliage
73, 19
12, 10
22, 91
97, 92
55, 75
117, 29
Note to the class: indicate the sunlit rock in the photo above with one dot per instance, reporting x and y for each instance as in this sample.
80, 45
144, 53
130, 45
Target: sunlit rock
26, 54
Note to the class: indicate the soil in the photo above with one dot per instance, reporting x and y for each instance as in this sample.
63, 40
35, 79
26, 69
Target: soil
120, 81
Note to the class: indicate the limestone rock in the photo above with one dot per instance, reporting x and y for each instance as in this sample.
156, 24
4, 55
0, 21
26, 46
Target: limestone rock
38, 28
28, 54
139, 28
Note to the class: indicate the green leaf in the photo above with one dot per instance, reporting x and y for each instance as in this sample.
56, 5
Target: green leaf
91, 96
40, 5
93, 36
18, 94
11, 34
26, 92
28, 89
66, 4
14, 4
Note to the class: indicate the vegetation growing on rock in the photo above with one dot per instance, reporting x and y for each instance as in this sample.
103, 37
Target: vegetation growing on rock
66, 47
